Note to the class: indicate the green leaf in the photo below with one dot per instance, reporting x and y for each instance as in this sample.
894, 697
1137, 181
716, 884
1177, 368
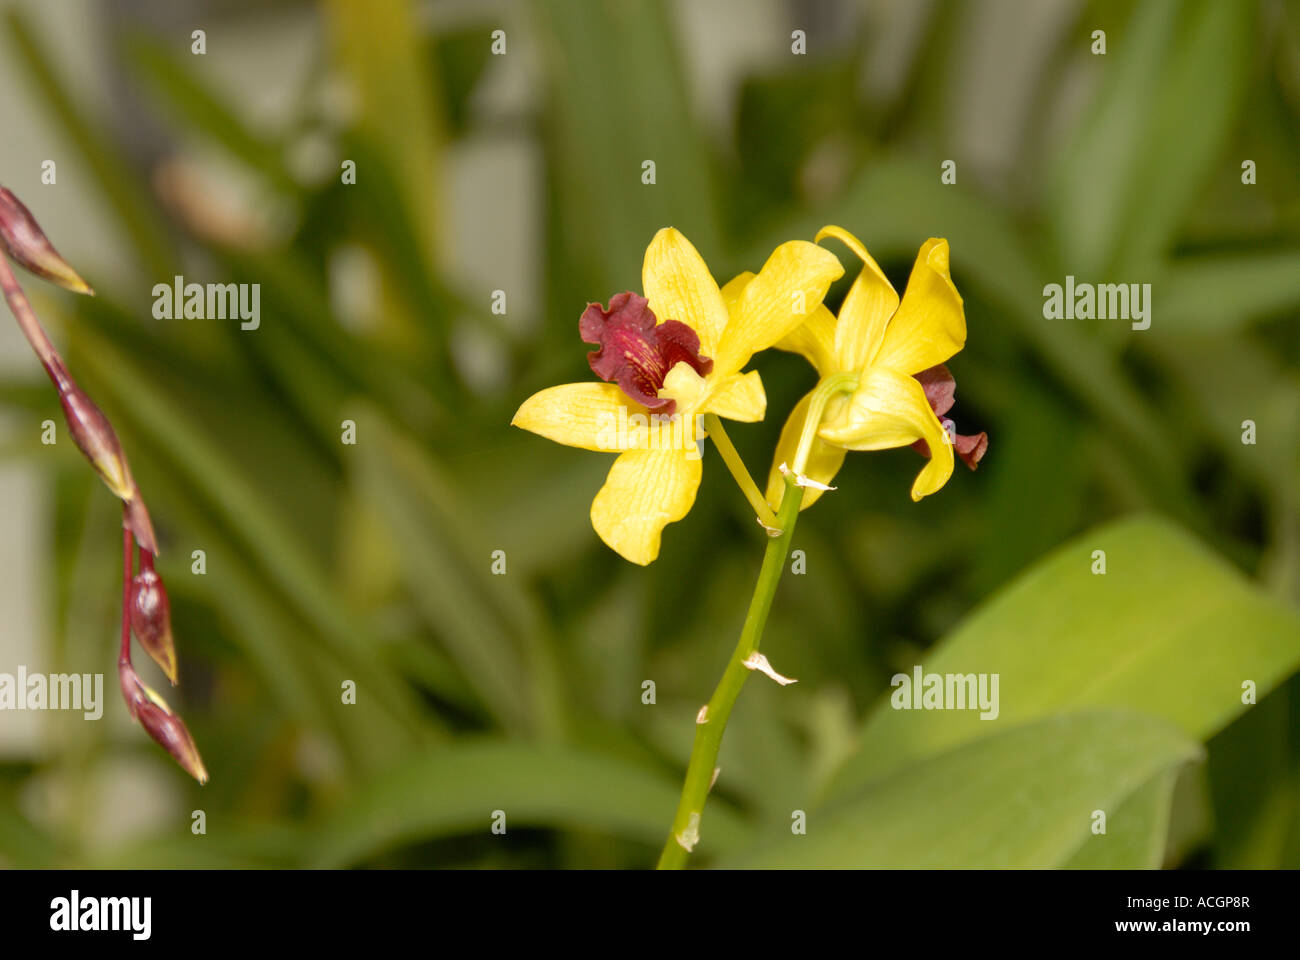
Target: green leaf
1221, 293
1254, 787
486, 622
377, 48
221, 484
1135, 831
192, 102
1222, 381
294, 293
618, 99
23, 844
396, 140
114, 177
782, 117
1171, 85
459, 58
454, 791
1169, 630
240, 845
1023, 798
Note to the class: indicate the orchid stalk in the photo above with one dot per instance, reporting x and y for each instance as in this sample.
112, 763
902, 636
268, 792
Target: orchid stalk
145, 606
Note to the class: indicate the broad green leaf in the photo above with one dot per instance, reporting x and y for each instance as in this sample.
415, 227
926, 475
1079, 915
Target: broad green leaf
1022, 798
1169, 630
1253, 785
1189, 815
454, 791
1135, 832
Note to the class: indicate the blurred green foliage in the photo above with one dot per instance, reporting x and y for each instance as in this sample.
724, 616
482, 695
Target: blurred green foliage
522, 692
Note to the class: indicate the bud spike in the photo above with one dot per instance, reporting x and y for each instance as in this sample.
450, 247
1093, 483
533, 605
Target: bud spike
144, 602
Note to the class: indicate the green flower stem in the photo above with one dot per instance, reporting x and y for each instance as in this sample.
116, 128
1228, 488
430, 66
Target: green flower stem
708, 733
712, 722
737, 467
821, 395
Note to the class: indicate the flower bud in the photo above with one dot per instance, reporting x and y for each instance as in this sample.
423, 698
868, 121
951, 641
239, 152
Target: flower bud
26, 244
151, 617
95, 437
160, 723
97, 440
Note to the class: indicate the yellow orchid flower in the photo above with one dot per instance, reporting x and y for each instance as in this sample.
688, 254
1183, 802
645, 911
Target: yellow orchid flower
891, 353
670, 358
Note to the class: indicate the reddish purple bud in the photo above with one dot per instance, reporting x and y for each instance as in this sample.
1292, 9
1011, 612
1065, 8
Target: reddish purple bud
22, 239
151, 617
636, 351
152, 713
941, 390
95, 437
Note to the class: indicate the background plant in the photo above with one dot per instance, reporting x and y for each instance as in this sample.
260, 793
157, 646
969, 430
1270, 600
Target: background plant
522, 692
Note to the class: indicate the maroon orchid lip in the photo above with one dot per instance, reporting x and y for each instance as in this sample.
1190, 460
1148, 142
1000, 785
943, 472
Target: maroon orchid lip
636, 351
941, 390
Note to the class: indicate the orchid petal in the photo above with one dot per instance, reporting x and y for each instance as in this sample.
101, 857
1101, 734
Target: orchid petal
775, 302
867, 307
645, 491
679, 286
814, 340
930, 324
890, 409
739, 397
586, 415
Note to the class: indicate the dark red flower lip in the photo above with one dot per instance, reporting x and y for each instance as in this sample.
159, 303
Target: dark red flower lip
941, 390
636, 351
